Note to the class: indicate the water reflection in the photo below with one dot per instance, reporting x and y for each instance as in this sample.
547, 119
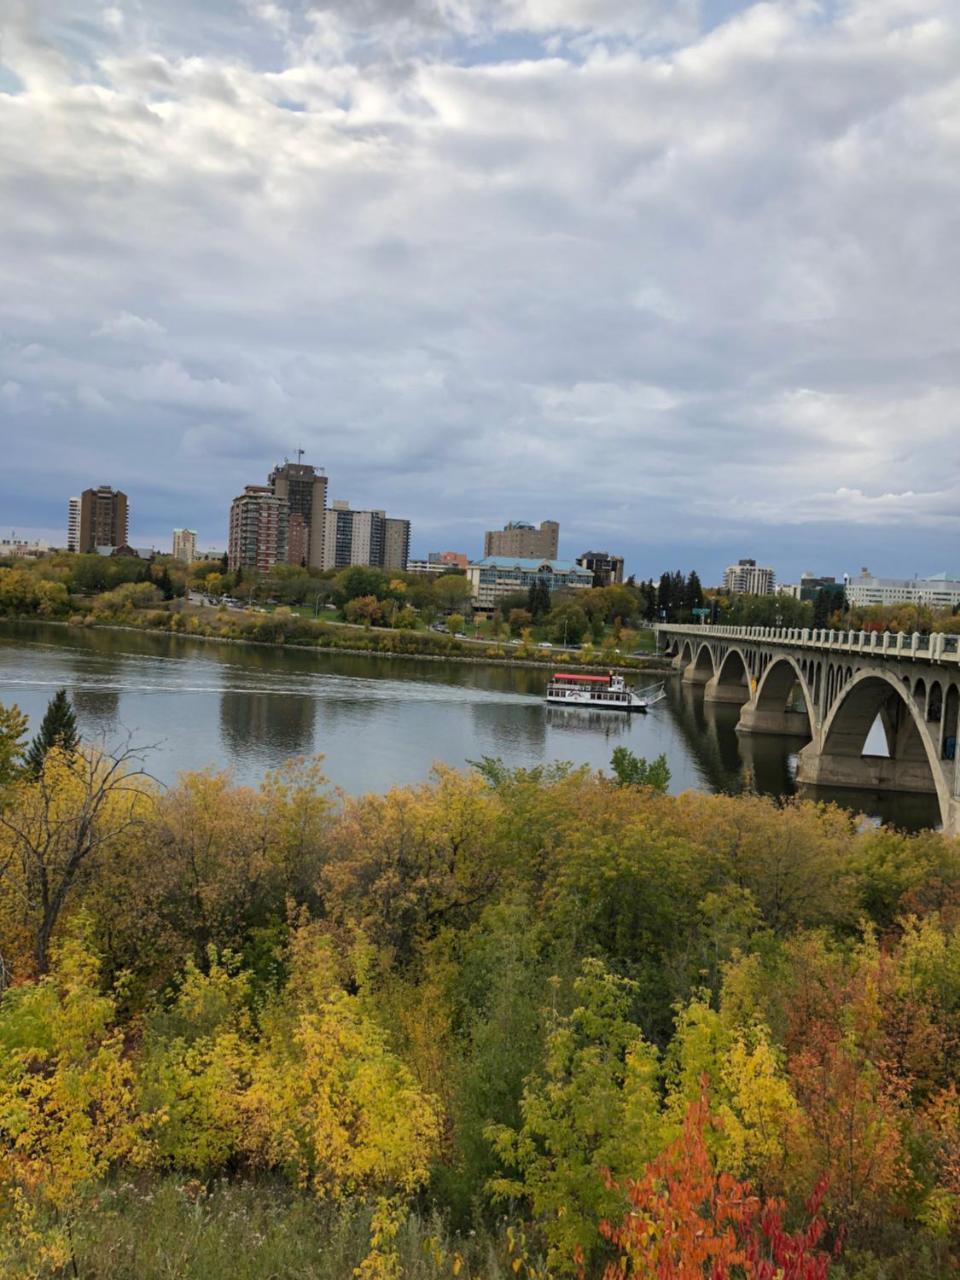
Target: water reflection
610, 724
97, 709
266, 725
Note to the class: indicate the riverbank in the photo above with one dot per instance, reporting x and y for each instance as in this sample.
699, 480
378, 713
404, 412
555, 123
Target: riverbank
652, 665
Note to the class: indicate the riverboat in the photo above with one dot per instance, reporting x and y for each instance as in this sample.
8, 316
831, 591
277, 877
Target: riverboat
600, 693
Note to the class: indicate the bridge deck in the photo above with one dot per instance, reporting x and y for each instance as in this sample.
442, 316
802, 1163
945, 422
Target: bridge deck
937, 648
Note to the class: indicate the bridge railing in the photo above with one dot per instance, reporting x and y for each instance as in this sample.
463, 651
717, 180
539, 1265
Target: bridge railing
928, 648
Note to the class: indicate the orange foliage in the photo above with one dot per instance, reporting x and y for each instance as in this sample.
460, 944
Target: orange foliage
687, 1222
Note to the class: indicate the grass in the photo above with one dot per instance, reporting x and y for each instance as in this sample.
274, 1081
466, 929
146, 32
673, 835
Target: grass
175, 1229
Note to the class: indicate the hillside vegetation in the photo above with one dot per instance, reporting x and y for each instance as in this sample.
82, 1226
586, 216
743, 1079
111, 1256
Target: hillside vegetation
541, 1023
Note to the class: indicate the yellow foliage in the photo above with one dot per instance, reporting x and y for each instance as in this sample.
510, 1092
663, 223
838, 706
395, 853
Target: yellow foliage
328, 1100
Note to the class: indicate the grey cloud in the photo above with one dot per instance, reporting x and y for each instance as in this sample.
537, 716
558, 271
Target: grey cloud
703, 285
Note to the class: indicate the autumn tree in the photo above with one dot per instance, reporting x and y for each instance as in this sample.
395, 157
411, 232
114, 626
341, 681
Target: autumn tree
60, 823
13, 727
686, 1221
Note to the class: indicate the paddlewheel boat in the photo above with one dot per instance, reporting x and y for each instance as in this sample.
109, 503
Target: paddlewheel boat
600, 693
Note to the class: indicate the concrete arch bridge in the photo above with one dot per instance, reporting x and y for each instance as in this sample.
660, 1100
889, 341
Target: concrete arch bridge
833, 688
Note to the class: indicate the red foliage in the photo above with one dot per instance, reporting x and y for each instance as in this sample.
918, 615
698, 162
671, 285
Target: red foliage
687, 1222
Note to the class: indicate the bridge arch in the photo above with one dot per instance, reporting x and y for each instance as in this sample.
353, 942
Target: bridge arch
686, 653
703, 664
872, 692
734, 669
781, 677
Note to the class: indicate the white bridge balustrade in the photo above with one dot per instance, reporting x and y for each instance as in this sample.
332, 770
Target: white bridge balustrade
833, 687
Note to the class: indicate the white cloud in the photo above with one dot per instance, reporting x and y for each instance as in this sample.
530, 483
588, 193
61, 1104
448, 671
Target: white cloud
126, 325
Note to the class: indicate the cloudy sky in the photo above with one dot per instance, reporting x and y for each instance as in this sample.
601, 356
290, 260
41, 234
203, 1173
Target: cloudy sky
682, 274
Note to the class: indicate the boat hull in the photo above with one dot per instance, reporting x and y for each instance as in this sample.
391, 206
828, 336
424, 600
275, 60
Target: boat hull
596, 704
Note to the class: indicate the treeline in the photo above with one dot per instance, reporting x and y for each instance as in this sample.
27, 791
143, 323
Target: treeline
541, 1023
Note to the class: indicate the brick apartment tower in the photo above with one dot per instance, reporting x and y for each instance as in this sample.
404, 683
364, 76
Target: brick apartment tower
103, 519
304, 489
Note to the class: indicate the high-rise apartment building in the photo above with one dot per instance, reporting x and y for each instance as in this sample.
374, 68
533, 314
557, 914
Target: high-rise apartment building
364, 537
185, 545
606, 569
520, 539
396, 544
747, 578
73, 525
304, 489
258, 529
103, 519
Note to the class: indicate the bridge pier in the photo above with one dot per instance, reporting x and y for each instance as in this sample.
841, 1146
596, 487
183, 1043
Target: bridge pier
728, 691
694, 674
863, 773
781, 722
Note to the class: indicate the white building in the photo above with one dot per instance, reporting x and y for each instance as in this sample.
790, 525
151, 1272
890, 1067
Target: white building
185, 545
22, 548
494, 577
73, 525
747, 578
938, 592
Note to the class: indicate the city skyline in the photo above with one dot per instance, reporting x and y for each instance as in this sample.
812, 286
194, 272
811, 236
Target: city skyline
679, 276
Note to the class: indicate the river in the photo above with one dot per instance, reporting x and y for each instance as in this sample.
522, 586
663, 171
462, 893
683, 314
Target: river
378, 722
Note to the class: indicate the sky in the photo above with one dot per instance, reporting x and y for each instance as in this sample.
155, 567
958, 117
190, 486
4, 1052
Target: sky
681, 275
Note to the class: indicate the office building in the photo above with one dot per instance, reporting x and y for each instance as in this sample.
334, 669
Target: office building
364, 537
185, 545
494, 577
606, 569
937, 592
747, 578
73, 525
522, 541
103, 519
304, 489
258, 529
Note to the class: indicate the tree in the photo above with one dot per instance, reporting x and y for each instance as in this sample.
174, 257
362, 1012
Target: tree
519, 620
595, 1108
71, 814
13, 726
58, 728
636, 771
686, 1220
538, 600
452, 591
455, 623
568, 624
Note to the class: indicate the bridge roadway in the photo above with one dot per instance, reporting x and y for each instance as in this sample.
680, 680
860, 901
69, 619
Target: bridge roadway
830, 687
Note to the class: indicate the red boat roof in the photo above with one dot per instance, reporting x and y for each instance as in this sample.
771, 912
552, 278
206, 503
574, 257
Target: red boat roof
575, 675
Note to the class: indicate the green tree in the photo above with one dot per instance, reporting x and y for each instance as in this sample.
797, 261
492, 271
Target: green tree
595, 1108
58, 728
538, 600
455, 623
568, 624
452, 591
636, 771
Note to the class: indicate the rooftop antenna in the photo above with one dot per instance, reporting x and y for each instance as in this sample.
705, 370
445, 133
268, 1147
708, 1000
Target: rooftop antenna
299, 456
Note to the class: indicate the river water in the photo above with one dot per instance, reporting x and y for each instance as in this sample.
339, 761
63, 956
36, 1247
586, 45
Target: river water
378, 722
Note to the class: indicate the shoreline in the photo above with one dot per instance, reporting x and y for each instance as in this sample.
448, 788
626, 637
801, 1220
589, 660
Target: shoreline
651, 664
